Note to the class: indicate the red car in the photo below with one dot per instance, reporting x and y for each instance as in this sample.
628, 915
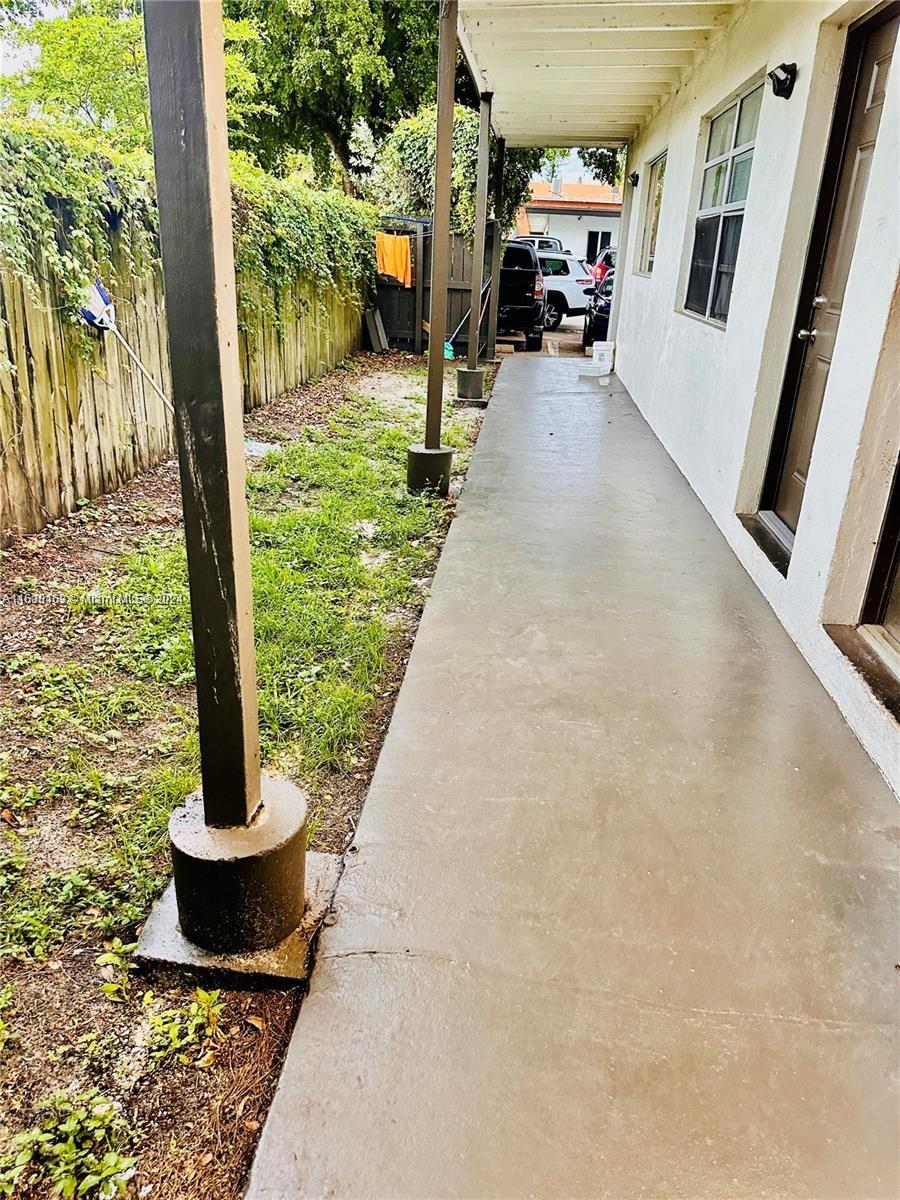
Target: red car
606, 261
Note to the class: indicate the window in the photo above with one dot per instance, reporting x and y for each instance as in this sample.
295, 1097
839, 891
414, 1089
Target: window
657, 175
520, 258
554, 266
726, 179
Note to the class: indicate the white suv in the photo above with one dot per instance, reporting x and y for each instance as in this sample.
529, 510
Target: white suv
569, 284
541, 242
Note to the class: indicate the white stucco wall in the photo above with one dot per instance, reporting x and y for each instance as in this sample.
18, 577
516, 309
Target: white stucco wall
711, 394
573, 231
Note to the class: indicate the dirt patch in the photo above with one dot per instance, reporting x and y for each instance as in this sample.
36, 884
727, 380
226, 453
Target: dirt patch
194, 1123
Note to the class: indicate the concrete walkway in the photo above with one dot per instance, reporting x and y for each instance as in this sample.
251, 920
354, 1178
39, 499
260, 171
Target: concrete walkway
622, 921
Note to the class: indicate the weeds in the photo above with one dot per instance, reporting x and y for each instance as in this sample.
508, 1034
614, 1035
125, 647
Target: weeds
80, 1147
53, 695
94, 1051
175, 1032
116, 966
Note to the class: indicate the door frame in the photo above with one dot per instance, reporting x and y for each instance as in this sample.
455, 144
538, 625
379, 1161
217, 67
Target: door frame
773, 536
887, 559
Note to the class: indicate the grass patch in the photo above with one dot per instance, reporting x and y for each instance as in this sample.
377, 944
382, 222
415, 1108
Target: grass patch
54, 696
338, 548
341, 555
104, 747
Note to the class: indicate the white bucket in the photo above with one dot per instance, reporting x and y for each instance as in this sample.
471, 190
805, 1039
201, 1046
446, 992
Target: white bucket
603, 357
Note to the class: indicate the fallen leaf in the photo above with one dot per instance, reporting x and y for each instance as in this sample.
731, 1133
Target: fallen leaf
256, 1022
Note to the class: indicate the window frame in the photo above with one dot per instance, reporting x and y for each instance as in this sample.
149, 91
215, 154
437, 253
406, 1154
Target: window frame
725, 208
651, 173
550, 257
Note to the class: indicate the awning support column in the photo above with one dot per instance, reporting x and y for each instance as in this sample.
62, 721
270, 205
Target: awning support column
239, 880
624, 230
496, 257
470, 379
428, 465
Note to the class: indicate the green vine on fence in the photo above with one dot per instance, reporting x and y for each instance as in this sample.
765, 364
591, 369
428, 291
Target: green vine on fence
68, 198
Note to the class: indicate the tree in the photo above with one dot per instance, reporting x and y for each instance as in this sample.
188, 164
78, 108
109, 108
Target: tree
327, 67
90, 68
402, 181
605, 165
13, 12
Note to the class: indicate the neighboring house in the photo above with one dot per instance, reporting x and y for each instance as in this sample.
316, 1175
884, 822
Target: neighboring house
759, 337
584, 216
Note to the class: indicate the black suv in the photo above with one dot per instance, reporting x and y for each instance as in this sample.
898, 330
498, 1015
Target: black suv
596, 322
523, 298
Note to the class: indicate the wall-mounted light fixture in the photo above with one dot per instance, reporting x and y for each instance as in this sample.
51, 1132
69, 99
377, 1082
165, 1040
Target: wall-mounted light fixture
783, 78
634, 179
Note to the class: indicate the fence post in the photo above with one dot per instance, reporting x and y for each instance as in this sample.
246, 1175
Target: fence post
470, 379
428, 465
239, 878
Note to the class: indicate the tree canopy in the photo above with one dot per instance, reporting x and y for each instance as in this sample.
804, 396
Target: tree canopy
89, 68
402, 180
332, 88
605, 165
328, 66
12, 12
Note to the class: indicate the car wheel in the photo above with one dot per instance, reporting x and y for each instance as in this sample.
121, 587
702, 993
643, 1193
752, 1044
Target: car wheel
587, 338
534, 341
554, 314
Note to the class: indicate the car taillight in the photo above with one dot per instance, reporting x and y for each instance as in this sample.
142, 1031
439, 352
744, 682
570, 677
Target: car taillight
539, 286
582, 282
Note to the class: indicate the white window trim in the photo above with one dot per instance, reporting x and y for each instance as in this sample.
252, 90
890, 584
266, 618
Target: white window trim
646, 210
724, 209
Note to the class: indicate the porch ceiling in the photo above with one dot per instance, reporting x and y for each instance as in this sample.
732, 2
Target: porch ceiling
584, 72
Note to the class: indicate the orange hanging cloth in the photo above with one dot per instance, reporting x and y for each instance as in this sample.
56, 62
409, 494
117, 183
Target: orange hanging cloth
394, 256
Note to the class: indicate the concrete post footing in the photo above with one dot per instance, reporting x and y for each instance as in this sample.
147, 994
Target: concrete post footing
470, 383
428, 469
241, 888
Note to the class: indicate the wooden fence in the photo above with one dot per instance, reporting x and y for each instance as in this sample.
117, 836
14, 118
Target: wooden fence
405, 309
76, 417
